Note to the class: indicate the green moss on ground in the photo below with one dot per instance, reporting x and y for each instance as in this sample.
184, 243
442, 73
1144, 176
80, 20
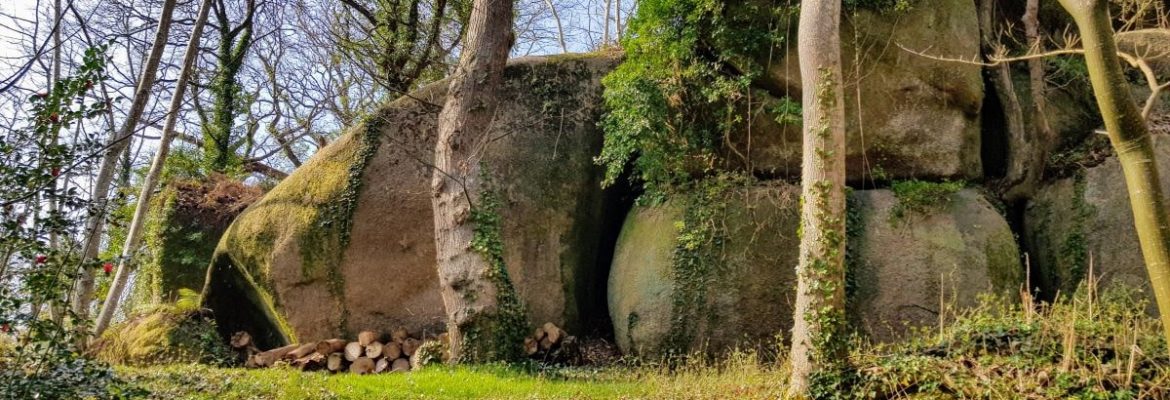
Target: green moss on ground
164, 335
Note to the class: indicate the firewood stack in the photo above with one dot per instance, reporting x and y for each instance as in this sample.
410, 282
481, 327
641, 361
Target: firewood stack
371, 353
550, 343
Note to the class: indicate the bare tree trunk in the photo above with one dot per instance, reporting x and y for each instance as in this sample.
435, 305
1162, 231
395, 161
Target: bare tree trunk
560, 29
605, 35
1132, 143
485, 320
1029, 147
118, 144
618, 20
150, 182
820, 291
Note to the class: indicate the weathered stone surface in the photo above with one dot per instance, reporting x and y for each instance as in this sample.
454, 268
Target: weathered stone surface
1085, 219
901, 269
286, 253
747, 297
908, 266
919, 117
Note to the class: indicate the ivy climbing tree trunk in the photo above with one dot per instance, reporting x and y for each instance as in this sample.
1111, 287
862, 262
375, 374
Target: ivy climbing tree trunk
118, 144
150, 182
1131, 141
485, 320
820, 289
219, 147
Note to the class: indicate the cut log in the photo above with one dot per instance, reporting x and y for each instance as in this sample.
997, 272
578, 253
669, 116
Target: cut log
301, 351
374, 350
538, 334
268, 358
353, 350
530, 346
552, 332
361, 366
367, 337
327, 347
241, 340
409, 346
312, 362
400, 365
392, 350
382, 365
399, 335
335, 362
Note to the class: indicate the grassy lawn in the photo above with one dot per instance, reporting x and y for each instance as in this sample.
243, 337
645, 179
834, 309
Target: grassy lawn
441, 382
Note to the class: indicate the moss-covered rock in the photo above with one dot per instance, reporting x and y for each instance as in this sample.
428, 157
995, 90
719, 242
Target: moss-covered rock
910, 262
908, 116
345, 243
1086, 219
164, 335
741, 297
186, 221
899, 268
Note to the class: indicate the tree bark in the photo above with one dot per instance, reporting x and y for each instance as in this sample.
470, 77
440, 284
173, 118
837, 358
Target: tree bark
118, 144
151, 181
476, 290
820, 292
1131, 141
1029, 146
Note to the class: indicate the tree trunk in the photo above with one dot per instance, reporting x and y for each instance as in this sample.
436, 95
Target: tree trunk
483, 313
150, 182
820, 291
118, 144
1029, 146
1132, 143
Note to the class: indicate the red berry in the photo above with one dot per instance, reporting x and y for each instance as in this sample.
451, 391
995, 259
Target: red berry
5, 328
41, 258
54, 118
108, 267
88, 84
56, 171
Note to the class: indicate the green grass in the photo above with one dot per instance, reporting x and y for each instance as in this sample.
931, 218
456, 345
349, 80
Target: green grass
199, 382
1093, 345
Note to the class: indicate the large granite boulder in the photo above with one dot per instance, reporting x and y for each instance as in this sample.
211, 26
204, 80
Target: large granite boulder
1084, 221
901, 263
345, 243
919, 117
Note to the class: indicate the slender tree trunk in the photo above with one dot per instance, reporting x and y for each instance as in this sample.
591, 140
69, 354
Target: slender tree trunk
118, 144
150, 182
820, 291
605, 35
560, 29
1029, 147
485, 321
1132, 143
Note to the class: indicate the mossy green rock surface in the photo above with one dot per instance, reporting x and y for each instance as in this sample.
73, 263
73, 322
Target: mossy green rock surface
345, 243
900, 268
911, 266
745, 299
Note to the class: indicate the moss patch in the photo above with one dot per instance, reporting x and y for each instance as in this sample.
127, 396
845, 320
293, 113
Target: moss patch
165, 335
917, 197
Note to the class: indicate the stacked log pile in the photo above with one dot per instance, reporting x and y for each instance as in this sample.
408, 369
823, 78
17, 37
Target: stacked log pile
372, 352
397, 351
549, 343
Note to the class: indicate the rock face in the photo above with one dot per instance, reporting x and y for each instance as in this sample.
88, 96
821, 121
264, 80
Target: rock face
919, 117
899, 268
905, 264
739, 293
186, 221
1086, 218
345, 243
